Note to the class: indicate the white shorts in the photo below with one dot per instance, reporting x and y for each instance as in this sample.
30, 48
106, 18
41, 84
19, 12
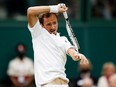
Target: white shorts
55, 86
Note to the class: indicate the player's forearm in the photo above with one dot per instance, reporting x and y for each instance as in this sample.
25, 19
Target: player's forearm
38, 10
77, 56
34, 12
72, 53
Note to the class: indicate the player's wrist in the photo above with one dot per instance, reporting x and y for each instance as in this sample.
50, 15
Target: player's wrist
76, 56
54, 8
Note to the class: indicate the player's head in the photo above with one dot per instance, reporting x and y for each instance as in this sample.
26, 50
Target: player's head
49, 21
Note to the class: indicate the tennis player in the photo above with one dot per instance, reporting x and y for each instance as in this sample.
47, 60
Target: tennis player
49, 47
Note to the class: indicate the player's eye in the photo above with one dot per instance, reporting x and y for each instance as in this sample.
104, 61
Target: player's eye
48, 24
54, 22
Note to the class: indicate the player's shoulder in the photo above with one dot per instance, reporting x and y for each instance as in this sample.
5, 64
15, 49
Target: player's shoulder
64, 37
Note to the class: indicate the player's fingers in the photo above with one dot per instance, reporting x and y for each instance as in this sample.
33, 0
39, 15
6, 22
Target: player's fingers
81, 61
84, 60
62, 7
77, 57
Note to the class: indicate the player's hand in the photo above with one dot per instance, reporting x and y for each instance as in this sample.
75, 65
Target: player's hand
82, 58
62, 7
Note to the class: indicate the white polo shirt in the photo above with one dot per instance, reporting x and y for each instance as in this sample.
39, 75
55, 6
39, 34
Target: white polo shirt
49, 54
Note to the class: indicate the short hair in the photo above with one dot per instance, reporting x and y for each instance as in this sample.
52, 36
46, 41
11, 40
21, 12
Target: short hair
45, 15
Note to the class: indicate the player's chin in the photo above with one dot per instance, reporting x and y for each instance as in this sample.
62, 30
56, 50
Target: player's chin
53, 32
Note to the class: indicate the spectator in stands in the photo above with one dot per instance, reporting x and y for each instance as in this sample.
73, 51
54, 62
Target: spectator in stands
20, 69
107, 71
85, 71
112, 81
104, 9
17, 9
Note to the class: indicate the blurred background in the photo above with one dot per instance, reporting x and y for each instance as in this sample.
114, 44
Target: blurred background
93, 22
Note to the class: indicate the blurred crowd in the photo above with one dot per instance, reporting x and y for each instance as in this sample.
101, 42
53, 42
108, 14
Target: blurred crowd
20, 72
85, 77
14, 9
17, 8
105, 9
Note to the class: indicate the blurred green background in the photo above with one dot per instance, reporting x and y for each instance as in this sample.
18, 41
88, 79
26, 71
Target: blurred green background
93, 23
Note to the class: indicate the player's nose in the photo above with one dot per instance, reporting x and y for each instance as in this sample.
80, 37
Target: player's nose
53, 26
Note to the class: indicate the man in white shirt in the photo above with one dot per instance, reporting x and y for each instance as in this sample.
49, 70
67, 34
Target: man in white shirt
21, 69
50, 48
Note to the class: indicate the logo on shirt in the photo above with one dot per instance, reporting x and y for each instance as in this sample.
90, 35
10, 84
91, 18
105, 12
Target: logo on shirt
65, 41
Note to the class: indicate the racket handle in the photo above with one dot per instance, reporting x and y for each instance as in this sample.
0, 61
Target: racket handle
65, 15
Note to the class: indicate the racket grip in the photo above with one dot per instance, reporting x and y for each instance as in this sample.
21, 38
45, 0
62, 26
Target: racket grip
65, 15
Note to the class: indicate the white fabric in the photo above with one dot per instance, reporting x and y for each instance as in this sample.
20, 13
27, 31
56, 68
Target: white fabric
102, 82
49, 54
17, 67
55, 86
53, 8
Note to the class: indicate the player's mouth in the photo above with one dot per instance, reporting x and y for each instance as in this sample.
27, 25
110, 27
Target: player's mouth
52, 31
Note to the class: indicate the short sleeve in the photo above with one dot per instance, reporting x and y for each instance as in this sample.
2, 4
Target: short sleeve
35, 30
67, 44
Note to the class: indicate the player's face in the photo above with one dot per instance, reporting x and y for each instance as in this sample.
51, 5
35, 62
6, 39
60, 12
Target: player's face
51, 24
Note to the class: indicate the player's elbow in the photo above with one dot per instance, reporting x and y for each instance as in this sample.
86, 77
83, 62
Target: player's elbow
30, 11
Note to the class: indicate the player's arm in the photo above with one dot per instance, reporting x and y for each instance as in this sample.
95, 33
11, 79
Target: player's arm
34, 12
77, 56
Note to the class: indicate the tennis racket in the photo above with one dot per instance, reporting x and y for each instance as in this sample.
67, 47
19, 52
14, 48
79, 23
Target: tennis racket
71, 33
